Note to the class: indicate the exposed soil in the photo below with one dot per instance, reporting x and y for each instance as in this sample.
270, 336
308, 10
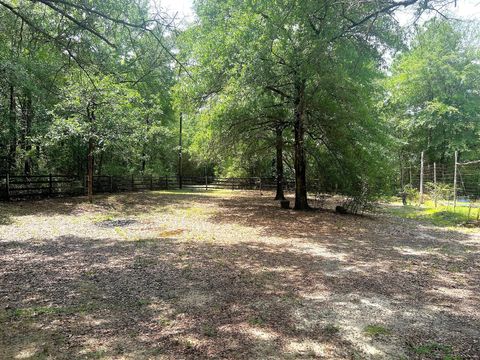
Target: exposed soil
231, 275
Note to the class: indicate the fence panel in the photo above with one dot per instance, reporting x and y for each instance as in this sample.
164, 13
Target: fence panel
19, 187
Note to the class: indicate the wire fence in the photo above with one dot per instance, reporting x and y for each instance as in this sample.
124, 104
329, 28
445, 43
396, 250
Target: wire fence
462, 178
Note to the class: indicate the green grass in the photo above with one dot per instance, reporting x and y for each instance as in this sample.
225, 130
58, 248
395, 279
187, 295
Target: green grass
439, 351
442, 215
375, 330
331, 329
50, 310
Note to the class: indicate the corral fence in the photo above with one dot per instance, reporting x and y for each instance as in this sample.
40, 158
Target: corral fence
18, 187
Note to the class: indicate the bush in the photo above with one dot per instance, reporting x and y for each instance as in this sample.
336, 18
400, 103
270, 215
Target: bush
413, 195
439, 191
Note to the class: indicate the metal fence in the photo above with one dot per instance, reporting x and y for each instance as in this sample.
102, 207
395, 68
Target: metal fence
462, 177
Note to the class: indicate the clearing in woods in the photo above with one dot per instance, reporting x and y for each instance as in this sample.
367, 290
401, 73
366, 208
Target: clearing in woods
231, 275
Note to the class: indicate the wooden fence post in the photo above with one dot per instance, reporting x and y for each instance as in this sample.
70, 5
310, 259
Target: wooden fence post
50, 185
7, 186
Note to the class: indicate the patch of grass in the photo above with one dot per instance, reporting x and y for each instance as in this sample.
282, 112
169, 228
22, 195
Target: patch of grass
50, 310
98, 218
143, 302
209, 330
121, 232
171, 233
376, 330
437, 351
256, 321
442, 215
331, 329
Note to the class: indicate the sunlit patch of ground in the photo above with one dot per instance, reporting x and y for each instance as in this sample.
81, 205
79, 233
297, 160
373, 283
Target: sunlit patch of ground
228, 274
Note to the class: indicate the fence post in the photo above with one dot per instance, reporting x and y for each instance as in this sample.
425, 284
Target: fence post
455, 182
50, 185
421, 179
206, 182
7, 186
435, 183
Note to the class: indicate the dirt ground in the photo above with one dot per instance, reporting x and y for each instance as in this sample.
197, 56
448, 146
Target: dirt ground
231, 275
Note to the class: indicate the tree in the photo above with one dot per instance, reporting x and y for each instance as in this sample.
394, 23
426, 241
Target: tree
286, 51
105, 115
434, 89
44, 51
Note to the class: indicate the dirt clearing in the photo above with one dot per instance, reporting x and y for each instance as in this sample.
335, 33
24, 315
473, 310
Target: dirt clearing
172, 275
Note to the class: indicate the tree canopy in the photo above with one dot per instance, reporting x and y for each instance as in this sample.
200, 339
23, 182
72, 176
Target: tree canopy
286, 89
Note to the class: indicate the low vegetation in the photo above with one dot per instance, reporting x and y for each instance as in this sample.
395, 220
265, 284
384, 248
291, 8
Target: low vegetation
444, 215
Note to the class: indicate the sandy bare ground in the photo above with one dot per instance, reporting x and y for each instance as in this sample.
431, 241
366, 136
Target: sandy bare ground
230, 275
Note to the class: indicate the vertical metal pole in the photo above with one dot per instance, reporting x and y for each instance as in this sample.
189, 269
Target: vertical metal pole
455, 182
180, 180
421, 179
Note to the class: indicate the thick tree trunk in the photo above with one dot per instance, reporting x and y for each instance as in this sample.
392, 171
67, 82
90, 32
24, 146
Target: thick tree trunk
301, 202
279, 162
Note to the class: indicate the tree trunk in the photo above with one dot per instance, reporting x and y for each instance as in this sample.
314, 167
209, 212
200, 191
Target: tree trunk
13, 131
90, 170
91, 107
27, 145
301, 202
279, 162
180, 155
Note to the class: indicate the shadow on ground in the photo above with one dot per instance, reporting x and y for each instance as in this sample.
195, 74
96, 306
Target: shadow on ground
308, 285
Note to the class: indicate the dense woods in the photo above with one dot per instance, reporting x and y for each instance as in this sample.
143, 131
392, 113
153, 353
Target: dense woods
335, 94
